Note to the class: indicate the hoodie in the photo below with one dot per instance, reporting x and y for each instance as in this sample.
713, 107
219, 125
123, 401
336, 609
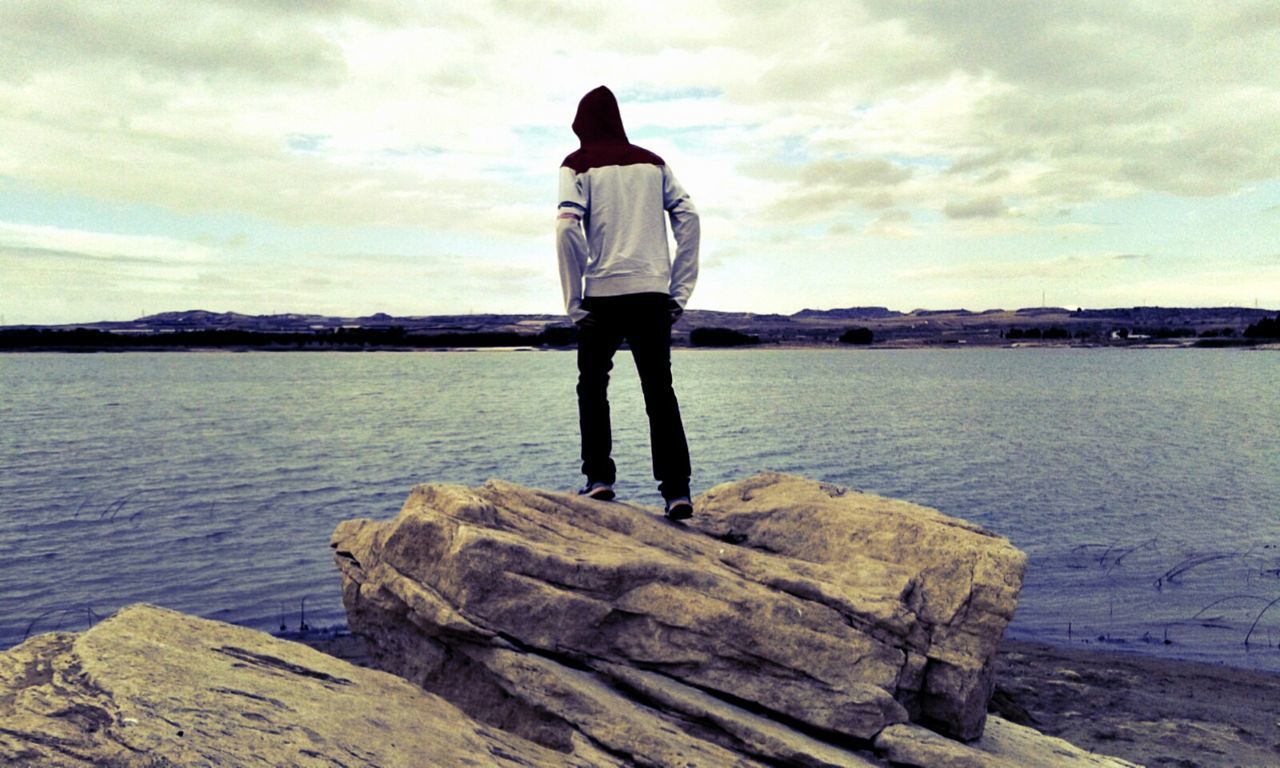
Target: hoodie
615, 199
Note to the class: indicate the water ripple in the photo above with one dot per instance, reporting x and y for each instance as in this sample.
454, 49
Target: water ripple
211, 483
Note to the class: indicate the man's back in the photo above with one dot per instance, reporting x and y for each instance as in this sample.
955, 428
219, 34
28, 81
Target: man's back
620, 193
620, 285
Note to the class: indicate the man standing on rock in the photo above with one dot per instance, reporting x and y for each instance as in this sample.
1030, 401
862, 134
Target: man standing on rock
621, 284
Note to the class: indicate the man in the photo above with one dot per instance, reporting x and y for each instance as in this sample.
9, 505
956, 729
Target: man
621, 284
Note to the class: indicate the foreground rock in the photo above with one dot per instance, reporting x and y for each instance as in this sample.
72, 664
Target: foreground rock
149, 687
964, 581
791, 623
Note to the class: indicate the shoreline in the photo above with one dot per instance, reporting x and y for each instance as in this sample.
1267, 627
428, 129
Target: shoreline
767, 346
880, 327
1148, 710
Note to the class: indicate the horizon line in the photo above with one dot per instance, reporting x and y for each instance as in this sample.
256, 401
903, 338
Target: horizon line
472, 313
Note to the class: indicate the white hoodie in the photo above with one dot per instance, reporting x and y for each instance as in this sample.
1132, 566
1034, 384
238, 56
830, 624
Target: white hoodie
619, 193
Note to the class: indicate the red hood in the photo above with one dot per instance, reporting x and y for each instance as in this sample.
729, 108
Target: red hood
598, 119
598, 125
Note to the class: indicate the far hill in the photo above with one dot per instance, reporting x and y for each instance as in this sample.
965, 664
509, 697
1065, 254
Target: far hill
920, 327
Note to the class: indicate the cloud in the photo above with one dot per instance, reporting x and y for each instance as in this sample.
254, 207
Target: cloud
101, 246
1116, 97
1069, 267
205, 104
979, 208
854, 173
315, 114
244, 41
893, 224
1044, 105
833, 184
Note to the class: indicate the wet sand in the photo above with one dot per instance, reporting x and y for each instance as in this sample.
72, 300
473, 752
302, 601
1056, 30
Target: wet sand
1151, 711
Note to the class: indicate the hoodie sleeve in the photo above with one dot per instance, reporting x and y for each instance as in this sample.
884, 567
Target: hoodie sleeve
571, 244
687, 230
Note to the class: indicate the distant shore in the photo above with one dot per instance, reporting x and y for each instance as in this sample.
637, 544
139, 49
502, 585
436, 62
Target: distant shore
859, 327
901, 345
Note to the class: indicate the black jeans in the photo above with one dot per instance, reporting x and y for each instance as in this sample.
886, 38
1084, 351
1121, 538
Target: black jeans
643, 322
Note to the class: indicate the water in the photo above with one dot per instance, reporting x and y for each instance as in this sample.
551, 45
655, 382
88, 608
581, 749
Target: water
1143, 484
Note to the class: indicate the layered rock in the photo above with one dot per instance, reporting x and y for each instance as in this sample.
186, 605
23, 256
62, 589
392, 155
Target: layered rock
149, 688
153, 688
965, 580
1003, 745
790, 622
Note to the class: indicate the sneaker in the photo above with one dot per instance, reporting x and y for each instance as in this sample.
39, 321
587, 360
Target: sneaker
679, 509
595, 490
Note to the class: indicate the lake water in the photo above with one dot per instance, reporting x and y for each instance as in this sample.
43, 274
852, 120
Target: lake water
1144, 484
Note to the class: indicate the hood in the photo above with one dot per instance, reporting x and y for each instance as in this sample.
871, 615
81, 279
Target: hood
604, 141
598, 119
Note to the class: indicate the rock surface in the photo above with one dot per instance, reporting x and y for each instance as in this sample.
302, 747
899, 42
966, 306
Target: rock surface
1003, 745
965, 580
604, 635
153, 688
790, 622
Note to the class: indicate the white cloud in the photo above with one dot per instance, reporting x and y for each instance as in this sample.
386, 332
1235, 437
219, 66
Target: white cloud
989, 207
893, 224
1071, 267
76, 243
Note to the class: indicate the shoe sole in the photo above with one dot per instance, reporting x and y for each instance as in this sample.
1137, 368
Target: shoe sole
601, 495
681, 512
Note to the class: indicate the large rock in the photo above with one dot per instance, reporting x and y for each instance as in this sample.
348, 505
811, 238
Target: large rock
150, 688
964, 579
791, 622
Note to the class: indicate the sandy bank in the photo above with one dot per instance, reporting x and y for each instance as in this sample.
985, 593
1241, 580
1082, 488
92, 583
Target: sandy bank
1156, 712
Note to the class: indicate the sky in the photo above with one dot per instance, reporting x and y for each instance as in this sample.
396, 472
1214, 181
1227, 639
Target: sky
346, 157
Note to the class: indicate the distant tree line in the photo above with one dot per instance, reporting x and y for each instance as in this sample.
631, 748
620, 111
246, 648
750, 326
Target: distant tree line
720, 337
341, 338
1055, 332
857, 336
1170, 333
1266, 328
1163, 332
